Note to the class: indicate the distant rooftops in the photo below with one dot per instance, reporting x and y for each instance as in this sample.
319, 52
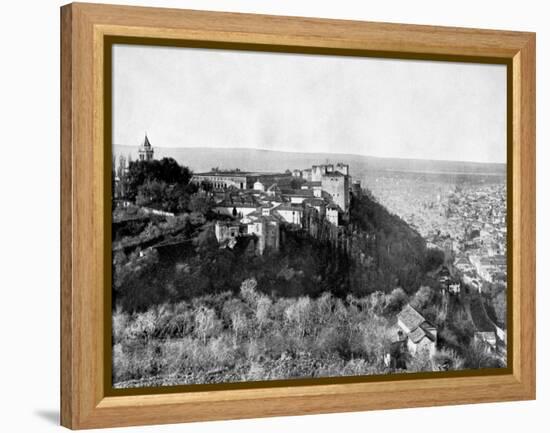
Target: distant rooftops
301, 193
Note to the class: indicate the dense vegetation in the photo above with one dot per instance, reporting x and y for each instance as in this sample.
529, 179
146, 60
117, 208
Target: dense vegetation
251, 336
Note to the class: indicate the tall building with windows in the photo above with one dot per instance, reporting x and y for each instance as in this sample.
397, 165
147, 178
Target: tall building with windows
146, 151
337, 185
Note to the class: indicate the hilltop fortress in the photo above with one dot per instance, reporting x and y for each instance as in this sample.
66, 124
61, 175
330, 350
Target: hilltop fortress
256, 204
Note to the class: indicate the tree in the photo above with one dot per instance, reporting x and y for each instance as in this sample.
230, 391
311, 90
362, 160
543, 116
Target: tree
296, 183
121, 175
423, 298
395, 301
434, 258
201, 203
206, 323
298, 315
165, 170
137, 283
152, 192
206, 186
478, 356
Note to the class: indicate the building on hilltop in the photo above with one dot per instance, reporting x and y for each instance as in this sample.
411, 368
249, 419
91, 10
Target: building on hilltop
318, 171
334, 180
318, 204
291, 214
342, 168
266, 227
337, 186
146, 152
262, 226
243, 180
227, 232
259, 186
224, 179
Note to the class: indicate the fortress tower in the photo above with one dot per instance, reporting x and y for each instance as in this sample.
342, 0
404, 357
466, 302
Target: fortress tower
337, 185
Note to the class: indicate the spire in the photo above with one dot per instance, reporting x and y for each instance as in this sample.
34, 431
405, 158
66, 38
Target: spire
146, 142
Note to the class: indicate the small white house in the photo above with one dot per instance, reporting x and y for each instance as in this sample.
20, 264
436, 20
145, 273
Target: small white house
259, 186
421, 335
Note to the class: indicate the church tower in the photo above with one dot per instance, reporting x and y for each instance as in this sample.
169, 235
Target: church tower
146, 150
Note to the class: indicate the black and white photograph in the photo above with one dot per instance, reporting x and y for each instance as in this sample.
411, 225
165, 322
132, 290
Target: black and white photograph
297, 216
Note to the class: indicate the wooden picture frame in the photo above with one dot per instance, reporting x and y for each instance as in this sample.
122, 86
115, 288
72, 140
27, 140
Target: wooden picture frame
85, 213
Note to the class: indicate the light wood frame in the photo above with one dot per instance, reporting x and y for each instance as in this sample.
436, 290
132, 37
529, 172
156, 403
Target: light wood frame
84, 401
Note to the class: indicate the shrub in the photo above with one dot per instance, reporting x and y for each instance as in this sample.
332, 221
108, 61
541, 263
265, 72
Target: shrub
119, 325
180, 324
376, 338
395, 301
142, 326
255, 372
447, 360
298, 315
206, 323
223, 350
423, 298
420, 361
333, 340
263, 307
478, 356
248, 291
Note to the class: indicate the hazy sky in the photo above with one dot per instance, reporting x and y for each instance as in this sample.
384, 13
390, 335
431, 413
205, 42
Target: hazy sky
185, 97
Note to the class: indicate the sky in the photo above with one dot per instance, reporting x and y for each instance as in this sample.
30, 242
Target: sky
189, 97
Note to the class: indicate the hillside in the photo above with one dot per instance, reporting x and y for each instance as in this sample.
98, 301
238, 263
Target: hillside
376, 252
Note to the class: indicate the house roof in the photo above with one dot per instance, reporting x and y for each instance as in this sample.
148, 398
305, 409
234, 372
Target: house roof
287, 206
410, 317
270, 218
301, 193
254, 214
462, 261
228, 204
314, 201
428, 330
417, 334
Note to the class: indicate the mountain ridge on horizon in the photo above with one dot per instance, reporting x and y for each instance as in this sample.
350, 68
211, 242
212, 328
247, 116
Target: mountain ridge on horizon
201, 159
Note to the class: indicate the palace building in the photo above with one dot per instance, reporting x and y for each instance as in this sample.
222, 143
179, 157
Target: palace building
223, 179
